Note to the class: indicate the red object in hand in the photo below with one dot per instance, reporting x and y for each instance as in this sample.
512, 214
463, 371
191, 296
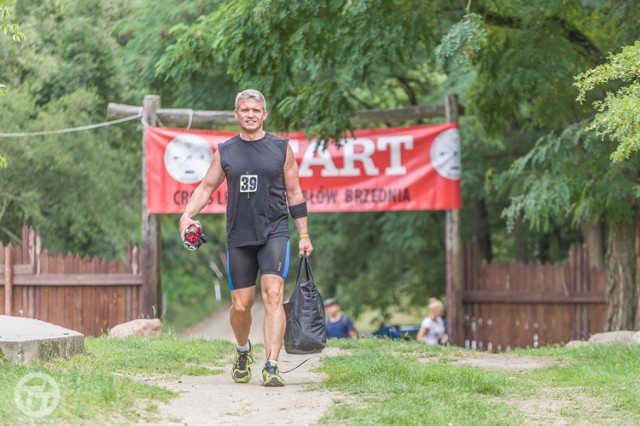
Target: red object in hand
193, 237
193, 233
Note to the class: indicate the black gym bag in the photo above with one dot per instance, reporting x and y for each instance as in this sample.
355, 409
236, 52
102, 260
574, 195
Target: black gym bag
306, 331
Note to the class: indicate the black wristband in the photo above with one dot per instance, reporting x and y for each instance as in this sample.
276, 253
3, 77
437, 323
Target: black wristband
298, 211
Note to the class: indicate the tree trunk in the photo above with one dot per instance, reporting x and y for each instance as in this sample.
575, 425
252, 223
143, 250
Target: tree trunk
592, 236
481, 229
622, 294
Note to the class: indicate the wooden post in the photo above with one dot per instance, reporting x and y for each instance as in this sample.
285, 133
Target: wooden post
8, 280
455, 315
151, 232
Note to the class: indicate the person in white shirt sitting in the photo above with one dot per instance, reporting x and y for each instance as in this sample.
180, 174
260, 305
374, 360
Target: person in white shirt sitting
432, 330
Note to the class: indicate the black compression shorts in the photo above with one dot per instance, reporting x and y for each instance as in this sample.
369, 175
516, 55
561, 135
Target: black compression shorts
270, 258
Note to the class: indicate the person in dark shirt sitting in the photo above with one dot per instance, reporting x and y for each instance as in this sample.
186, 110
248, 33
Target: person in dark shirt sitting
339, 325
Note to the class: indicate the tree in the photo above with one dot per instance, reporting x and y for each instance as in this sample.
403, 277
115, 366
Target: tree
565, 180
567, 175
8, 28
547, 184
618, 120
77, 187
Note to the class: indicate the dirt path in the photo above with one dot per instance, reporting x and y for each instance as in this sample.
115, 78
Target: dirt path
217, 400
217, 326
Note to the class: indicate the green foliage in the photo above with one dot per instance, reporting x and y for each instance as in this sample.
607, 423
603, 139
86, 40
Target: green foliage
463, 42
77, 188
523, 91
565, 179
308, 66
69, 48
618, 116
7, 27
509, 90
144, 35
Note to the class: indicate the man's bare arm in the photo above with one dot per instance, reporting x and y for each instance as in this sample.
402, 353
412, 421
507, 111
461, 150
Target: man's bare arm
294, 198
201, 195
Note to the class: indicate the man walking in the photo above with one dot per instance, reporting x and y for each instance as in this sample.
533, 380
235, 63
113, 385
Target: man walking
262, 180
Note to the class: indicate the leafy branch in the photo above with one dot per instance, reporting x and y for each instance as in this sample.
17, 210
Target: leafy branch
463, 41
618, 114
8, 27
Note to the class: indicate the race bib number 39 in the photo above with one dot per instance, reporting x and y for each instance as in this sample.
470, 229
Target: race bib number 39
248, 183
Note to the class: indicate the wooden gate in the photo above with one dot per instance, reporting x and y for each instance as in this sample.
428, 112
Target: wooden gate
89, 295
510, 305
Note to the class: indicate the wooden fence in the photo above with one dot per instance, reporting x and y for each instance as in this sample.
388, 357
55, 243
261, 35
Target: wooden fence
509, 305
89, 295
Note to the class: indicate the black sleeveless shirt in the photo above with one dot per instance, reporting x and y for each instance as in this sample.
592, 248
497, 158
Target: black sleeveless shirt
256, 205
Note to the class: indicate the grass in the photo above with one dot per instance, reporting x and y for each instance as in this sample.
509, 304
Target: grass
386, 383
608, 374
379, 382
100, 385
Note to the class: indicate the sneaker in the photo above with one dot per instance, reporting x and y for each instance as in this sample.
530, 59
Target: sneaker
271, 376
241, 372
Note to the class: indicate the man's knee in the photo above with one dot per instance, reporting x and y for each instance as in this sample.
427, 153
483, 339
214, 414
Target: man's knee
241, 307
273, 293
241, 304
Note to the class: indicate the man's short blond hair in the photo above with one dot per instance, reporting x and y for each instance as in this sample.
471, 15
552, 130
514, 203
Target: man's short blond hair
251, 94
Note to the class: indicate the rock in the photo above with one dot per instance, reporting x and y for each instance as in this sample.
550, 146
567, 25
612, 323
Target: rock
613, 338
636, 338
576, 344
24, 340
139, 327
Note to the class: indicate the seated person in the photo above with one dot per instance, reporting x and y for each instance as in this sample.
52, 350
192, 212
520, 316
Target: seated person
339, 326
432, 330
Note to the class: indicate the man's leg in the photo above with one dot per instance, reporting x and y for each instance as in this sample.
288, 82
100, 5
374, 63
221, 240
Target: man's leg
274, 318
240, 314
242, 268
274, 325
273, 259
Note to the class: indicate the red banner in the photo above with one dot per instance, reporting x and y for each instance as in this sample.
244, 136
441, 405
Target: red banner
395, 169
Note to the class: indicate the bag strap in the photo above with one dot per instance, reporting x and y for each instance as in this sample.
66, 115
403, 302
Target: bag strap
304, 261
